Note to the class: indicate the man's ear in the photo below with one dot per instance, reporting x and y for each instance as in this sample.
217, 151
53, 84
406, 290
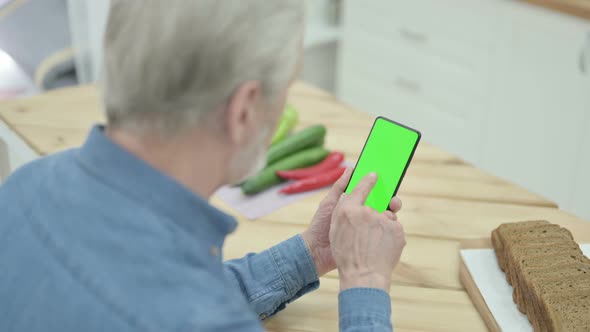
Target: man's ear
240, 113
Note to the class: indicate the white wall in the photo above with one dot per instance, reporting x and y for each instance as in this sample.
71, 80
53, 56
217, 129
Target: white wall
88, 18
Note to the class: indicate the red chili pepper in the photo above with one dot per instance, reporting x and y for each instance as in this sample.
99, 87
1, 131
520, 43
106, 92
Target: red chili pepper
314, 182
332, 161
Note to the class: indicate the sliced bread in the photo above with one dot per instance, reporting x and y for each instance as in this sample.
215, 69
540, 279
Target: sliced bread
540, 247
534, 275
552, 287
531, 253
572, 315
502, 230
528, 236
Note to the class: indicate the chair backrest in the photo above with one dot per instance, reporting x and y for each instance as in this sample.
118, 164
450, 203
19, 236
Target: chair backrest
36, 34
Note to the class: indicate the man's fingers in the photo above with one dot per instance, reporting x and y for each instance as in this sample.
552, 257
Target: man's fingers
390, 215
395, 205
340, 185
363, 188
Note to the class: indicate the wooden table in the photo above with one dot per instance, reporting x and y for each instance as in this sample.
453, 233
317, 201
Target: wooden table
447, 203
579, 8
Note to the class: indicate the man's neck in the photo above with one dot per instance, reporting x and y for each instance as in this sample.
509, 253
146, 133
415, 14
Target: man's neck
199, 168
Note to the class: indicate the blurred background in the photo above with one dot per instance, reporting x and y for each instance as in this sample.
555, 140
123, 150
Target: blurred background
504, 84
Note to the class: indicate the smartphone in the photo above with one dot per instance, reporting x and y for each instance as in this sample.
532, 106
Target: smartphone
388, 152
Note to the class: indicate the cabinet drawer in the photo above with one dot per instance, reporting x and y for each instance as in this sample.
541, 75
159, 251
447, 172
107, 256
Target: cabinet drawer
411, 72
427, 22
455, 127
407, 99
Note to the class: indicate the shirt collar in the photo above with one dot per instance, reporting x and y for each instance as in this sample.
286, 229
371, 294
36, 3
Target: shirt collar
134, 177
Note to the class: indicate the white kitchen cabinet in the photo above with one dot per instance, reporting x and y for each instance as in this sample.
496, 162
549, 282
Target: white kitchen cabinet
501, 83
13, 82
539, 101
415, 62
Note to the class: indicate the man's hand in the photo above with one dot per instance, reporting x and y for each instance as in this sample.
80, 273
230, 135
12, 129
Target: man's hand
316, 236
366, 245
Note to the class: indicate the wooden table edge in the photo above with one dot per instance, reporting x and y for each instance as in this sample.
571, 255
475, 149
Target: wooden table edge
547, 204
25, 140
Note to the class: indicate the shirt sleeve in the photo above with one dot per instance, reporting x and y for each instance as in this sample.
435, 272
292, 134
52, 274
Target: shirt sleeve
275, 277
364, 309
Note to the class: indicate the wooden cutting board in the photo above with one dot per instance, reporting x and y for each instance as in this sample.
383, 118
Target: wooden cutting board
471, 287
476, 298
488, 289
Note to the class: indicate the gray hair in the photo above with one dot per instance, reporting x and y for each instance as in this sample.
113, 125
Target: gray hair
167, 64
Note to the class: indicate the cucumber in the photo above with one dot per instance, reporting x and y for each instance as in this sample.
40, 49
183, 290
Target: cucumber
288, 121
268, 177
308, 137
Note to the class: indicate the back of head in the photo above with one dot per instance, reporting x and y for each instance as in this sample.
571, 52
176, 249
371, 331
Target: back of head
168, 64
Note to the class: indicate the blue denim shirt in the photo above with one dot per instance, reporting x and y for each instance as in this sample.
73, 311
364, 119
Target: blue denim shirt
94, 239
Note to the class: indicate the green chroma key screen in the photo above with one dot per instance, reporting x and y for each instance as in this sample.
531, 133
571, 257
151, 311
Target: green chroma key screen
387, 152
